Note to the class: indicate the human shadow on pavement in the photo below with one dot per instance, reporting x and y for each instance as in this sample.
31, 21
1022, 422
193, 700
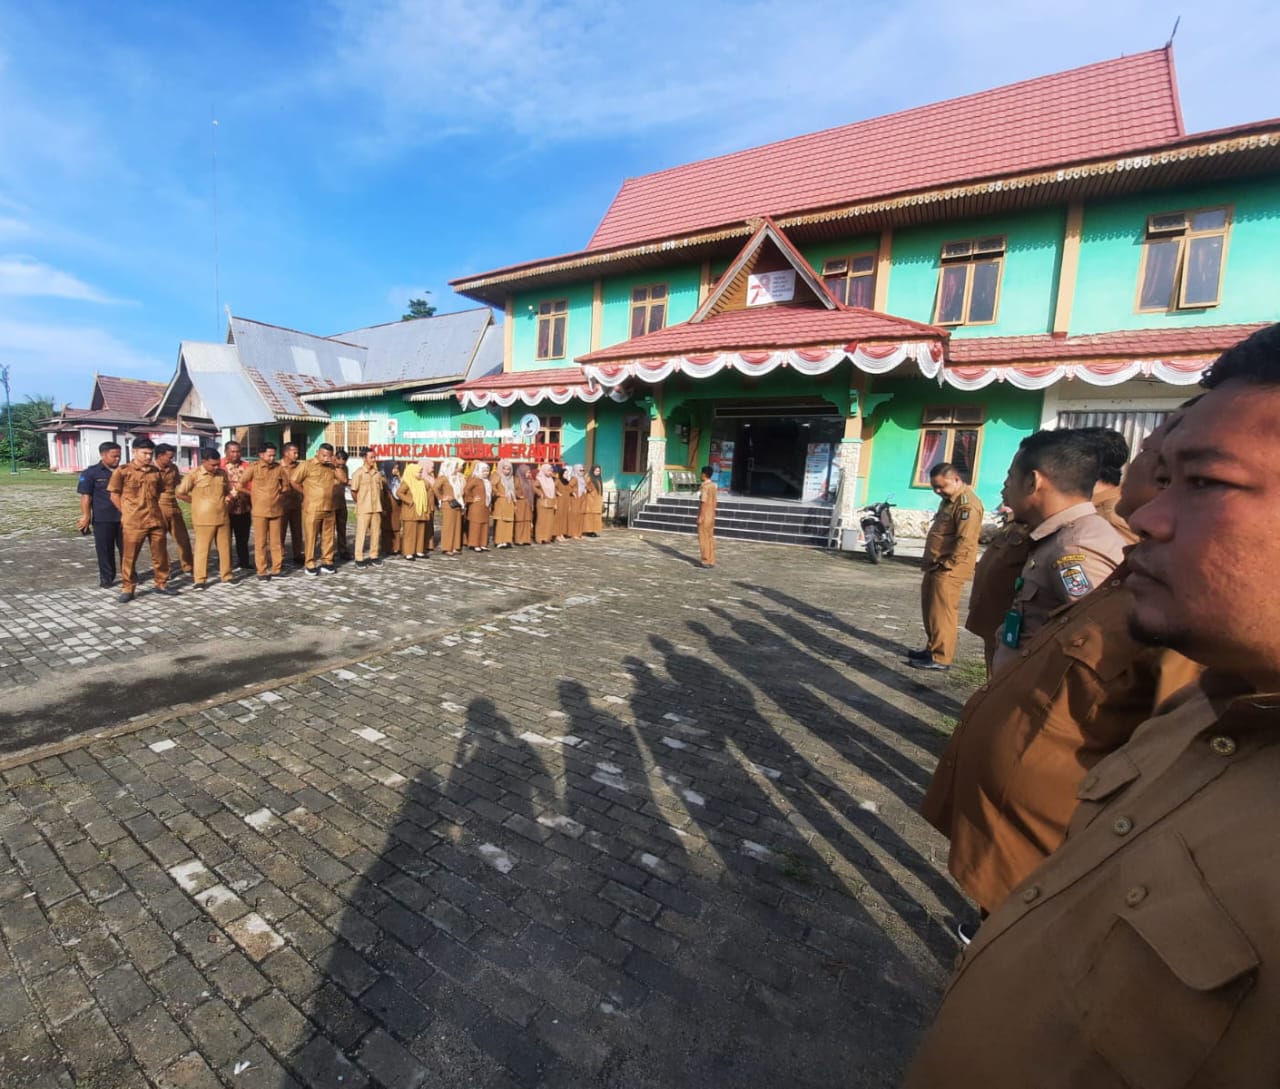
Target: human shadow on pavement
676, 553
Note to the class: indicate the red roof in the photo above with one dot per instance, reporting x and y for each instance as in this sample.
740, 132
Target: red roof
1200, 340
504, 380
1101, 109
131, 396
768, 327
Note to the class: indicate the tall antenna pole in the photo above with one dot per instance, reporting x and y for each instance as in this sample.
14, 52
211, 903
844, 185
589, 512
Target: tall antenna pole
217, 286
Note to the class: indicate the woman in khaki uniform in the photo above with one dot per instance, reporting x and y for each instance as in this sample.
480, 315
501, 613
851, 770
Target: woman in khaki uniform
391, 508
449, 489
416, 506
564, 499
526, 497
593, 518
504, 506
428, 469
577, 503
545, 526
478, 495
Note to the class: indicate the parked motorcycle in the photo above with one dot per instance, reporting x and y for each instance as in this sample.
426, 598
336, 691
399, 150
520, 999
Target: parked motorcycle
877, 530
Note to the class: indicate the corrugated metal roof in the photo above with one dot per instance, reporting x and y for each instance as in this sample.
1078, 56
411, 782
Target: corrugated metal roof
437, 347
488, 359
273, 349
227, 391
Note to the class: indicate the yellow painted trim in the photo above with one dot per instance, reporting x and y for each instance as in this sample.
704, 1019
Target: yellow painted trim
884, 261
704, 282
591, 434
508, 334
657, 425
597, 312
1070, 267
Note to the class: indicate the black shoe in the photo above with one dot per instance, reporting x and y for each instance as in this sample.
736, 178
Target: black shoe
264, 578
920, 655
126, 596
197, 586
376, 561
168, 591
328, 569
104, 584
313, 571
966, 932
937, 667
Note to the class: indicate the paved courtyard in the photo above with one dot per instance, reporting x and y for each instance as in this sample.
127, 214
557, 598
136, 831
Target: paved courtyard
584, 815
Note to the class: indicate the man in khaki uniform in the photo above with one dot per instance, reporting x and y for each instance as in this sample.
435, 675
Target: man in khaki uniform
1146, 950
318, 480
368, 485
1113, 456
1005, 788
174, 526
208, 491
268, 486
135, 490
292, 504
241, 512
950, 553
993, 584
1072, 549
707, 519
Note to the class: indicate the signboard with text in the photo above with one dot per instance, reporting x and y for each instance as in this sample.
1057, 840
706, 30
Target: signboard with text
771, 287
469, 450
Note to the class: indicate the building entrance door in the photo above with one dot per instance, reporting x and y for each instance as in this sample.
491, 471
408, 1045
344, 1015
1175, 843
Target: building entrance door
778, 451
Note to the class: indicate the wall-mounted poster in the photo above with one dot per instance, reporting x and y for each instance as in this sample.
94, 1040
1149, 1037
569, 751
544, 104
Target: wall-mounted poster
819, 487
721, 462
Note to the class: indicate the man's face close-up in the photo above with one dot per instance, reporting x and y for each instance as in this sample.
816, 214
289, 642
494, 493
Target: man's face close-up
143, 457
111, 459
1204, 578
233, 453
948, 486
267, 457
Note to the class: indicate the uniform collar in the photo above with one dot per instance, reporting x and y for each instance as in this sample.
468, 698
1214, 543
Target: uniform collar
1063, 518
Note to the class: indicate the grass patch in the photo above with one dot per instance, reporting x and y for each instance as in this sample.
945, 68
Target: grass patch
37, 478
971, 673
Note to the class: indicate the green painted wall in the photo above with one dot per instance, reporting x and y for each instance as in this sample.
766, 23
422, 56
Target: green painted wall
524, 326
409, 416
1012, 414
1111, 253
1028, 286
820, 252
682, 299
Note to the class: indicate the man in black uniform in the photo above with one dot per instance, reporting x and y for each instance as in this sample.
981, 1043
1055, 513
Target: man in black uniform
97, 510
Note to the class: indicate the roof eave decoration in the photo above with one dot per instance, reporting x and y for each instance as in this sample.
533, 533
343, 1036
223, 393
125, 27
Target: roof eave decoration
1033, 376
588, 392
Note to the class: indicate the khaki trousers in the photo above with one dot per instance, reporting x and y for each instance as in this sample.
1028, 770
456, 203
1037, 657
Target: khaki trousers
133, 539
940, 609
293, 523
268, 531
368, 525
206, 536
707, 543
318, 522
176, 527
413, 537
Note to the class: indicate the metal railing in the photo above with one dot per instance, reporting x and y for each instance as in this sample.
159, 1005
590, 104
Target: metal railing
641, 489
837, 517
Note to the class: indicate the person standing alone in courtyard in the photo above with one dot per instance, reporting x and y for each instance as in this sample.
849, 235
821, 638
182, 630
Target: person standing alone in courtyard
950, 555
707, 519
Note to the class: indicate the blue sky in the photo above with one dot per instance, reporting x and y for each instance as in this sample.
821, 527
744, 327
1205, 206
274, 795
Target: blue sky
370, 150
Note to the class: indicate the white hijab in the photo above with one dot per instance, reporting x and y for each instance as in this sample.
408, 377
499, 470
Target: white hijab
481, 469
453, 472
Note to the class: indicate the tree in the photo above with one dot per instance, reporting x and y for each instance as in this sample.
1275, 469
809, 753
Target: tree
418, 308
29, 445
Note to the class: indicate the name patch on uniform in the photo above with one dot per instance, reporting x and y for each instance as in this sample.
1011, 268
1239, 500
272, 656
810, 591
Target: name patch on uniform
1074, 580
964, 515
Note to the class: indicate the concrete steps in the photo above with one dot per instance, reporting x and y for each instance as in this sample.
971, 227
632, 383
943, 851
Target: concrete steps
805, 524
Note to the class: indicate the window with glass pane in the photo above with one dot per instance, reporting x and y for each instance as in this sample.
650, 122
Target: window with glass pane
852, 279
553, 317
648, 309
950, 433
1182, 259
635, 444
552, 428
969, 281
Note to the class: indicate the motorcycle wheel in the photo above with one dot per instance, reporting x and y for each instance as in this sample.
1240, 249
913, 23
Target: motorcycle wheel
873, 550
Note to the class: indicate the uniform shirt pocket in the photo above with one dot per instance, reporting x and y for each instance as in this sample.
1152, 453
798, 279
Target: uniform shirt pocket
1157, 991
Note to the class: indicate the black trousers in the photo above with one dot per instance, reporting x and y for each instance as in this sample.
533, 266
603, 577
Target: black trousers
240, 526
108, 539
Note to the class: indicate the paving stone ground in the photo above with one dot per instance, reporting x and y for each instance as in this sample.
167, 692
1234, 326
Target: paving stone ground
584, 815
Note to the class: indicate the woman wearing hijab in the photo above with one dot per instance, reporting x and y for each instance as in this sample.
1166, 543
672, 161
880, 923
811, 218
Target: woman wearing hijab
577, 503
429, 479
564, 499
593, 519
525, 500
416, 502
393, 471
478, 495
504, 506
449, 489
546, 522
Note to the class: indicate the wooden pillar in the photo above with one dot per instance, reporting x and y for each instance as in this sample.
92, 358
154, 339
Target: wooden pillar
508, 333
704, 282
1069, 268
884, 261
597, 312
591, 436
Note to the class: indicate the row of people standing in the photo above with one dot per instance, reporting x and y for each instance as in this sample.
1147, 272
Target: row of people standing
480, 509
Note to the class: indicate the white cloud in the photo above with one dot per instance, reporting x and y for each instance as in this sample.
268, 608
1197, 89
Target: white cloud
49, 353
28, 277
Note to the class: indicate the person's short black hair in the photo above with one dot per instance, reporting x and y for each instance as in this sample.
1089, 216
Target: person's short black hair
944, 468
706, 471
107, 447
232, 443
1065, 457
208, 452
342, 453
325, 446
165, 448
295, 446
265, 447
1255, 359
143, 444
1113, 452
